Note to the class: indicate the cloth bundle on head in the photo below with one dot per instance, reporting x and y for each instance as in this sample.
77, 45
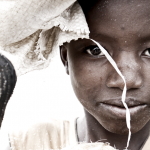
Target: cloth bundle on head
32, 30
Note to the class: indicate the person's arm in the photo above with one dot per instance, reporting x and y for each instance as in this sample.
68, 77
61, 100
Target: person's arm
8, 80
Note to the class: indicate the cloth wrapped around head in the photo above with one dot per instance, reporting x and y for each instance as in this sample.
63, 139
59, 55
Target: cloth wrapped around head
32, 30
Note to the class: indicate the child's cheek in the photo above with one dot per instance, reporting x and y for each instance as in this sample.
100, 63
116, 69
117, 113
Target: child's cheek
88, 81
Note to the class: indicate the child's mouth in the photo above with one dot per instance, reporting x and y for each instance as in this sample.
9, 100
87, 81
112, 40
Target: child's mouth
115, 108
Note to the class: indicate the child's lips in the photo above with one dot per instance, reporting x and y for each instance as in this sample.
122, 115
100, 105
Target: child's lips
115, 107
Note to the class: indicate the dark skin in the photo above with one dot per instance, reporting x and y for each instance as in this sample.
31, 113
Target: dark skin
121, 27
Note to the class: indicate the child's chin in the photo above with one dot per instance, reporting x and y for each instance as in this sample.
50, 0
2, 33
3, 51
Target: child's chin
115, 122
120, 127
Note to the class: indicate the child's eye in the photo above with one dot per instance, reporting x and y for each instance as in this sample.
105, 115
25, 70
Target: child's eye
147, 52
95, 51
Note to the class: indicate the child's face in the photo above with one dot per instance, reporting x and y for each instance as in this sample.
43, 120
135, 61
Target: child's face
123, 29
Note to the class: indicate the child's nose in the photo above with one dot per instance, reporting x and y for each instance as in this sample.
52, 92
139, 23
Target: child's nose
132, 73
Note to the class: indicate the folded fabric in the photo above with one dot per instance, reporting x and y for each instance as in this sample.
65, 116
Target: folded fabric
32, 30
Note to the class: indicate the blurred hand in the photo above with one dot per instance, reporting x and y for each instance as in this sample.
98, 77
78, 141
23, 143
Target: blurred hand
8, 80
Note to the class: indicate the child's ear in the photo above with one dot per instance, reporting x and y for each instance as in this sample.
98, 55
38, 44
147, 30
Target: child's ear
63, 55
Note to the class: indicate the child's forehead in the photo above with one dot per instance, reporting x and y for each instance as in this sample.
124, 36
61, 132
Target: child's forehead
121, 9
119, 23
119, 18
106, 4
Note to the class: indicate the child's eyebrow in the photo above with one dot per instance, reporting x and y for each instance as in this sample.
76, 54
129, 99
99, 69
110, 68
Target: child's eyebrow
141, 37
97, 36
144, 38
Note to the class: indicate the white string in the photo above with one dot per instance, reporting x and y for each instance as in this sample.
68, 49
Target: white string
124, 89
